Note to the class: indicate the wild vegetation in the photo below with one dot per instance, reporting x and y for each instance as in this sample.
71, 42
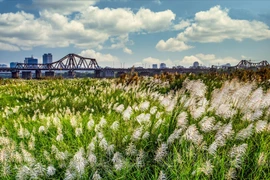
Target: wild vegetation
208, 126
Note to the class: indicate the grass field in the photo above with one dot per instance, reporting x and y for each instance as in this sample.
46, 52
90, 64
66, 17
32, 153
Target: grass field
98, 129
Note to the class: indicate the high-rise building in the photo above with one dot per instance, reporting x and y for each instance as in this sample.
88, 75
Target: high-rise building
154, 66
13, 64
196, 64
3, 65
162, 66
47, 58
30, 60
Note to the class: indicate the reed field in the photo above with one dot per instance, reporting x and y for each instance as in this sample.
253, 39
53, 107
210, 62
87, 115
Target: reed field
168, 127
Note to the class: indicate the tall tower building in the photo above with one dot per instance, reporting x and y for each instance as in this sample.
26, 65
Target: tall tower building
30, 60
47, 58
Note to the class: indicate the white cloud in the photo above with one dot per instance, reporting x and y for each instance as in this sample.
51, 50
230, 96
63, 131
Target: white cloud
89, 29
122, 20
63, 6
101, 58
182, 25
206, 56
150, 60
207, 60
187, 61
127, 50
154, 21
172, 45
215, 25
8, 47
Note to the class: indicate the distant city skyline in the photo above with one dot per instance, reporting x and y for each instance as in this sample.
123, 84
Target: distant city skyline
140, 33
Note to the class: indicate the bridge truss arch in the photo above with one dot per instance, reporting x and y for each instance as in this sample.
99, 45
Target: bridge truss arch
69, 62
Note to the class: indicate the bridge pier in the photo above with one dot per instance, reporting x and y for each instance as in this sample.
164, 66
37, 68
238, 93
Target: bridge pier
15, 74
71, 74
27, 75
38, 74
98, 73
49, 73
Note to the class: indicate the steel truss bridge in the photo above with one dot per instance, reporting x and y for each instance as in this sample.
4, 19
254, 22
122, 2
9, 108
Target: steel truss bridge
244, 64
74, 62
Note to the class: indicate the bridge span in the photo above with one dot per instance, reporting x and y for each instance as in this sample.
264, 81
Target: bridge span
74, 62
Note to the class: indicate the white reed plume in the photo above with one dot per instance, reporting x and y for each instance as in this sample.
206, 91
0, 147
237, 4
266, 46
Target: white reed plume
195, 87
137, 134
96, 176
39, 170
192, 134
182, 120
3, 155
120, 108
61, 156
174, 136
146, 135
31, 143
103, 144
197, 112
27, 157
231, 174
144, 105
51, 170
90, 124
102, 122
143, 119
221, 136
115, 126
131, 149
158, 115
207, 168
92, 159
59, 137
245, 133
225, 110
140, 159
5, 170
17, 157
153, 110
127, 113
161, 152
91, 146
158, 123
118, 161
70, 175
73, 121
207, 124
226, 131
78, 131
23, 172
78, 162
110, 149
251, 115
266, 100
42, 129
237, 153
260, 126
262, 159
162, 176
213, 147
255, 99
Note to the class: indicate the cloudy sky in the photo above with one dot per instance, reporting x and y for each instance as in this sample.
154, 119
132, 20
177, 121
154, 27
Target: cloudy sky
136, 32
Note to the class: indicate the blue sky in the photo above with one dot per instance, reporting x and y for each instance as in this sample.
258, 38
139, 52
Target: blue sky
136, 32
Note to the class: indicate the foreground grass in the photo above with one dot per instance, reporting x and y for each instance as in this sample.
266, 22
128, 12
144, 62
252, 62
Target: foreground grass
84, 128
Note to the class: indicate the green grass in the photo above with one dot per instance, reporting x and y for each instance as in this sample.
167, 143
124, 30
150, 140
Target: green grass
63, 106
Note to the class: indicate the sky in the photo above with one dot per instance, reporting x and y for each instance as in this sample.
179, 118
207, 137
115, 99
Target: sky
123, 33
